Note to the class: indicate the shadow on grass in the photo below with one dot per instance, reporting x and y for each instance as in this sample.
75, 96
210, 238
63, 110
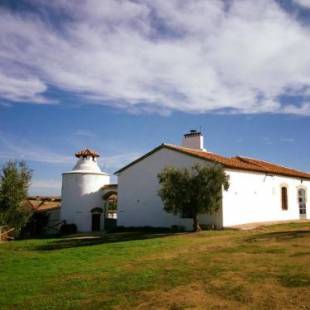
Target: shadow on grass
80, 240
280, 235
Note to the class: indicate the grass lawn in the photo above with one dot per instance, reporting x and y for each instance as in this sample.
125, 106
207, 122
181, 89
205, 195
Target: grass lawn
266, 268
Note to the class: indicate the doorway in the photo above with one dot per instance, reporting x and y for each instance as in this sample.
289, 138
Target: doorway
302, 203
95, 223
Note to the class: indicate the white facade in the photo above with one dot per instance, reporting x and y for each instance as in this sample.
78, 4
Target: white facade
138, 200
81, 193
252, 197
256, 197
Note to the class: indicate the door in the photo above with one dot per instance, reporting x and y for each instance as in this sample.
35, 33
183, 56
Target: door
110, 224
95, 225
302, 203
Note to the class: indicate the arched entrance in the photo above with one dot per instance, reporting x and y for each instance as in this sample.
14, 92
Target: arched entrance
110, 210
302, 203
96, 219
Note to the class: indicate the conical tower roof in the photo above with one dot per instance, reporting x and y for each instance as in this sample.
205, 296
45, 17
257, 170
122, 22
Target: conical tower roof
86, 153
87, 162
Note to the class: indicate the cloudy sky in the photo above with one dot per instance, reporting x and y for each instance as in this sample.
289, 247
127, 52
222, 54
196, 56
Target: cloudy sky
124, 76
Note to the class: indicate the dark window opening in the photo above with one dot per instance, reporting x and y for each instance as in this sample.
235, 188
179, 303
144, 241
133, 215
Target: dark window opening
284, 200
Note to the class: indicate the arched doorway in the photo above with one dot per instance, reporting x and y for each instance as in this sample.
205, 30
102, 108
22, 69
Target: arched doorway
96, 219
110, 210
302, 203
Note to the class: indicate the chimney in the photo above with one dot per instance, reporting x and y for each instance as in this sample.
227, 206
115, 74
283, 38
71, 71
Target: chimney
193, 140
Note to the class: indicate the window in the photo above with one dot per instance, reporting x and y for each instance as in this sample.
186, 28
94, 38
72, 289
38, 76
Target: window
302, 202
284, 200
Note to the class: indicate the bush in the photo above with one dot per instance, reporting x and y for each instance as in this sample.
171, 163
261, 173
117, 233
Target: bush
67, 229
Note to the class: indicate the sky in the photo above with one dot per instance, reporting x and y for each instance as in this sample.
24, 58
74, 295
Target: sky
122, 77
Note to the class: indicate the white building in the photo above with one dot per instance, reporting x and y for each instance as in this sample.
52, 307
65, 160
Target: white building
84, 192
259, 191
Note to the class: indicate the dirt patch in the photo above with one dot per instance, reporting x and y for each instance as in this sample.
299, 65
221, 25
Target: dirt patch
192, 296
262, 225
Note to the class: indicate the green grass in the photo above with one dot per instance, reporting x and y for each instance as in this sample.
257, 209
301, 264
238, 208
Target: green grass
267, 268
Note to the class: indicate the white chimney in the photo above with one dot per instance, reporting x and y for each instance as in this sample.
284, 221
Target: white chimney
193, 140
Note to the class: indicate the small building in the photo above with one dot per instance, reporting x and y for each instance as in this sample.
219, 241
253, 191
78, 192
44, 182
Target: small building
259, 191
46, 214
84, 192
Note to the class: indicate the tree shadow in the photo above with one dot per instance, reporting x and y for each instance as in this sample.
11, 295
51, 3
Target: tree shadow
280, 235
81, 240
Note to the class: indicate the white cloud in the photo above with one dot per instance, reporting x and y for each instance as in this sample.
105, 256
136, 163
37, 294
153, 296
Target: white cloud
10, 149
193, 56
23, 150
303, 3
45, 187
46, 184
22, 89
303, 109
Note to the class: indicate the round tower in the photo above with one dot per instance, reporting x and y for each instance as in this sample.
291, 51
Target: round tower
82, 203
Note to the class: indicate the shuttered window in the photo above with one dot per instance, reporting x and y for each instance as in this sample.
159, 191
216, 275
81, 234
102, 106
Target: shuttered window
284, 200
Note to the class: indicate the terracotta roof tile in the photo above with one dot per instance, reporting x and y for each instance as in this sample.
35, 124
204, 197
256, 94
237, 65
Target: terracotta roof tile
86, 152
237, 163
243, 163
41, 204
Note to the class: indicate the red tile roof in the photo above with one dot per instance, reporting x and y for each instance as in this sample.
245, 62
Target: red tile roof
85, 153
237, 163
243, 163
41, 204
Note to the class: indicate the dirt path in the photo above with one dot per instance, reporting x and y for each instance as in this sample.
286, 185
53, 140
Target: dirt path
260, 224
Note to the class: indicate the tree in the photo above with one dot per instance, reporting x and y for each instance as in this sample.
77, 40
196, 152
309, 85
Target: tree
14, 184
193, 191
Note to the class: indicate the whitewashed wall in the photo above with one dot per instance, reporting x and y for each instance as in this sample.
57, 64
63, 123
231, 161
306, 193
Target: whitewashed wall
138, 200
255, 197
81, 192
252, 197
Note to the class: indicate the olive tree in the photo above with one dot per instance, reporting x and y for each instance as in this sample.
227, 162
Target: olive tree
14, 184
193, 191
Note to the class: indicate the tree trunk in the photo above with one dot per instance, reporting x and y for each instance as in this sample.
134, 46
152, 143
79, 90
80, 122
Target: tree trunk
196, 226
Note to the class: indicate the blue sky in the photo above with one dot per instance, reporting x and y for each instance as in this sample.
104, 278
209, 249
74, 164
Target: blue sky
122, 77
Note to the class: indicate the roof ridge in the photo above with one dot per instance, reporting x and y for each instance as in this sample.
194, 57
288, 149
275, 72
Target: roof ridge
237, 162
191, 149
246, 160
